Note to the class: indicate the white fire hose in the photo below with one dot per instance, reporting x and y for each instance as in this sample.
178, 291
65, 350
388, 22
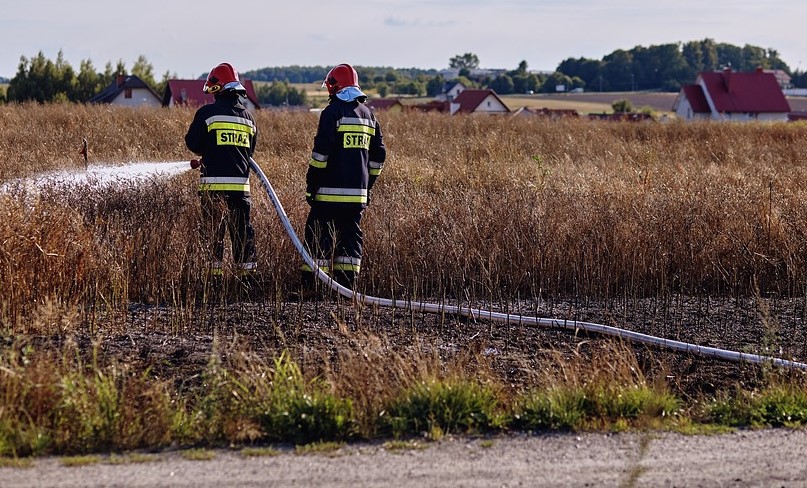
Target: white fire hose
506, 317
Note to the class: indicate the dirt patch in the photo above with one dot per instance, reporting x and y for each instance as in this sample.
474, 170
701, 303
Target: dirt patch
173, 345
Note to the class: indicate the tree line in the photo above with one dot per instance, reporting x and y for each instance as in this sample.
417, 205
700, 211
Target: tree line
664, 67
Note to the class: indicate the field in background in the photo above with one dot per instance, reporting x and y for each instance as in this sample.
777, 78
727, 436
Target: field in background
585, 103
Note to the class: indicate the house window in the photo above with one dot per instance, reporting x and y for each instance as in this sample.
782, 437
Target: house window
127, 93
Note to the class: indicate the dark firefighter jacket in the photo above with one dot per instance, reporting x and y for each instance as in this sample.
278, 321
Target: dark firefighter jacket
224, 134
348, 155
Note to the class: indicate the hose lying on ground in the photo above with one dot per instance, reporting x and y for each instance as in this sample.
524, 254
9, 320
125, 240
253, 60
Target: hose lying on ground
506, 317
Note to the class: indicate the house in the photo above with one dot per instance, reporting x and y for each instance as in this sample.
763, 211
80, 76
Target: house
450, 91
734, 96
388, 104
478, 101
784, 79
191, 93
128, 90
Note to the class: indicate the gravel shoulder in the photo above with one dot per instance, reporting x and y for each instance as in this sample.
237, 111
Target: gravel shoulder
771, 457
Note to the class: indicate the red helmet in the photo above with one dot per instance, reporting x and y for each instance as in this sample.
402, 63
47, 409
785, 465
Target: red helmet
223, 78
341, 76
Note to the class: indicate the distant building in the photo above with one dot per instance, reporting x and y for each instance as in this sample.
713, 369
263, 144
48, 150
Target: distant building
784, 79
450, 91
387, 104
191, 93
733, 96
128, 90
478, 101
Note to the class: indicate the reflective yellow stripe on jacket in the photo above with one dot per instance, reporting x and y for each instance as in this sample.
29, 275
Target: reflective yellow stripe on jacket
341, 195
346, 263
218, 183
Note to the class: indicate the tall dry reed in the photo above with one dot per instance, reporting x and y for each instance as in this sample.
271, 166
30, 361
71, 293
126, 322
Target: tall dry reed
483, 208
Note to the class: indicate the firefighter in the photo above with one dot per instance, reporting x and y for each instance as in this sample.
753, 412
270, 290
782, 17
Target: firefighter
346, 159
224, 134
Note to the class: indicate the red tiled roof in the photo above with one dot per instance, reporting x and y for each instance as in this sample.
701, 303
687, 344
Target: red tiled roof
432, 106
697, 100
754, 92
383, 103
469, 100
190, 92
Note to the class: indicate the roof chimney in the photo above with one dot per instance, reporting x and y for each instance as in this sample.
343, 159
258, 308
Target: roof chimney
727, 77
120, 79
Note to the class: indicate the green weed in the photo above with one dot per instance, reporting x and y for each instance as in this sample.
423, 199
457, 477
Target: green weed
434, 407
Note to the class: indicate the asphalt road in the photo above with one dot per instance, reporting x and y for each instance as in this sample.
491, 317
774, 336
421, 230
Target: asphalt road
773, 457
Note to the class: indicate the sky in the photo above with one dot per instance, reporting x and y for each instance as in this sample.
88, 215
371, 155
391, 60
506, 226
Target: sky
188, 38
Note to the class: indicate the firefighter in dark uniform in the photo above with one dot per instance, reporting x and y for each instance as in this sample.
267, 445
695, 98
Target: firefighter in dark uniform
347, 157
224, 134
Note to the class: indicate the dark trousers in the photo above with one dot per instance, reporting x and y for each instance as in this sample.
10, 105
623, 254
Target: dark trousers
225, 212
333, 237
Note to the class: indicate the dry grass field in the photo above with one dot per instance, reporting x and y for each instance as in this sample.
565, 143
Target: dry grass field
592, 102
690, 232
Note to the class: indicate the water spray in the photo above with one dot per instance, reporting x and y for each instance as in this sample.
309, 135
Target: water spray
509, 318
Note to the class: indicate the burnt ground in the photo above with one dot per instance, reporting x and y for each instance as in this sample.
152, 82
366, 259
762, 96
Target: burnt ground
178, 343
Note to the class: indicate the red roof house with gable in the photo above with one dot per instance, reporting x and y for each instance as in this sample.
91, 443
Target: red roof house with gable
391, 104
730, 95
478, 101
128, 90
191, 93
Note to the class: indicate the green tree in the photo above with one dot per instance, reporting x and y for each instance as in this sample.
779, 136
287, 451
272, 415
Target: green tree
89, 81
799, 79
466, 82
467, 61
281, 94
622, 106
555, 80
503, 85
522, 67
145, 71
578, 82
413, 87
35, 80
618, 70
589, 70
435, 85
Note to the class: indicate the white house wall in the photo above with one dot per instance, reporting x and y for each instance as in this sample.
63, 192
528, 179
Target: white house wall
746, 117
491, 104
140, 97
684, 109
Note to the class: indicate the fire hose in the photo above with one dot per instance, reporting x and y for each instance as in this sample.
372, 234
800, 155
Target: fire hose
508, 318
